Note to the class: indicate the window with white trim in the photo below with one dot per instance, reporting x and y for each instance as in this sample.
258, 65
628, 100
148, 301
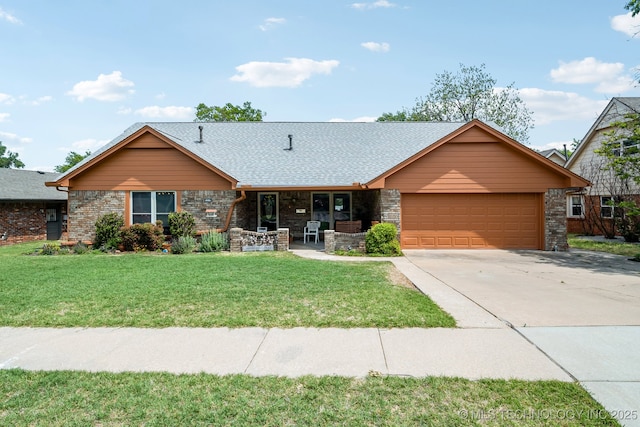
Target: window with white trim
606, 207
151, 206
628, 147
575, 206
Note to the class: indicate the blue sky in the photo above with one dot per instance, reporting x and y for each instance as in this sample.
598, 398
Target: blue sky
75, 74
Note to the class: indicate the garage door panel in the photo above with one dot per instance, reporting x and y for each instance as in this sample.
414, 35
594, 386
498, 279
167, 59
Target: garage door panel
509, 221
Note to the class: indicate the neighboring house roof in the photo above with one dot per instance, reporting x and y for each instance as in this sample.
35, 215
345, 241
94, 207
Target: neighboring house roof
554, 155
617, 107
303, 155
23, 185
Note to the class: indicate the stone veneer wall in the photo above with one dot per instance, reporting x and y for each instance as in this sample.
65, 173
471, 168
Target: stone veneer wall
196, 202
334, 241
390, 207
86, 206
237, 235
22, 222
555, 220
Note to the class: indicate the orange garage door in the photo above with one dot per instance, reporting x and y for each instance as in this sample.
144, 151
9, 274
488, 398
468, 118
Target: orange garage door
469, 221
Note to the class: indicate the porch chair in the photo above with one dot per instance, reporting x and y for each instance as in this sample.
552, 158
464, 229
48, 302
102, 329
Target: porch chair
312, 229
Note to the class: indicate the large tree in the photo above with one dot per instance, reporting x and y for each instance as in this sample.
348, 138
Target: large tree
71, 160
633, 6
228, 113
10, 160
468, 94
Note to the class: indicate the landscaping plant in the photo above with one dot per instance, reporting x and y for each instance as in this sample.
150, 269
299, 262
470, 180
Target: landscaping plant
108, 231
382, 239
141, 237
212, 241
183, 245
181, 224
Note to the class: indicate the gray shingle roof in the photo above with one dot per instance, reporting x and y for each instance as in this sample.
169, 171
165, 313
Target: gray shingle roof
18, 184
322, 154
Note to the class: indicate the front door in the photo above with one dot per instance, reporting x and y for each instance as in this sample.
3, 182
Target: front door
54, 222
268, 210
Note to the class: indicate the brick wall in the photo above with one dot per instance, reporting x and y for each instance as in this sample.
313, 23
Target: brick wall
335, 241
22, 222
555, 220
85, 207
390, 207
197, 202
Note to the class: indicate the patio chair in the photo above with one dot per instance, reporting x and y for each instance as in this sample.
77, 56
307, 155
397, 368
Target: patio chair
312, 229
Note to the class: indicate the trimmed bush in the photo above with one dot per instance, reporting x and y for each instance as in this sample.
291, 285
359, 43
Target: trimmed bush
381, 240
183, 245
142, 237
108, 231
212, 241
181, 224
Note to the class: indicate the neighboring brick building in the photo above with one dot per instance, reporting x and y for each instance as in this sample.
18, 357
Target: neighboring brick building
28, 209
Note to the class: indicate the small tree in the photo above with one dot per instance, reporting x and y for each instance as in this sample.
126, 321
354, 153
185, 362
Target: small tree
71, 160
10, 160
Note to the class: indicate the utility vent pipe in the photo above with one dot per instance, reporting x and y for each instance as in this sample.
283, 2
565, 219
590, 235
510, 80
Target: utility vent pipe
200, 127
290, 143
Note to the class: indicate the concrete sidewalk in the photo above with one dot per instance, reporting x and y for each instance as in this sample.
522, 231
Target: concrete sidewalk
468, 353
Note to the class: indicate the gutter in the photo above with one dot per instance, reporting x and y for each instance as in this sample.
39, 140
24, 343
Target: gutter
243, 196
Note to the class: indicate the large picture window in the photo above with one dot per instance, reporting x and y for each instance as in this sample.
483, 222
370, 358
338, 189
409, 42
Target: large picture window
151, 206
330, 207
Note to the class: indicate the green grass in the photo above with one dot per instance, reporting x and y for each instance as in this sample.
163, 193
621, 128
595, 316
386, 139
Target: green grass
613, 247
205, 290
157, 399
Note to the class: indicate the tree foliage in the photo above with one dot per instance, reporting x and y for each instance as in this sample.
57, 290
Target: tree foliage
10, 159
633, 6
228, 113
468, 94
71, 160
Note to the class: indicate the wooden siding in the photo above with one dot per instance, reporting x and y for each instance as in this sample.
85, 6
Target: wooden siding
157, 166
471, 221
484, 167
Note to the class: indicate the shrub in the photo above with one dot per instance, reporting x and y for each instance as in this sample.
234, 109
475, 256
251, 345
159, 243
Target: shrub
212, 241
141, 237
50, 249
381, 240
183, 245
80, 248
108, 231
181, 224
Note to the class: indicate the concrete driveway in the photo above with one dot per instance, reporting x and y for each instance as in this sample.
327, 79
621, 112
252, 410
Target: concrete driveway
534, 288
581, 308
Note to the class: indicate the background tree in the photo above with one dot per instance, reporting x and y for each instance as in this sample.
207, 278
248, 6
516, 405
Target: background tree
633, 6
71, 160
10, 159
228, 113
469, 94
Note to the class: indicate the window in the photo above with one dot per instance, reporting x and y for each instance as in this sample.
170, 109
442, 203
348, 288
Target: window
575, 206
330, 207
627, 148
606, 207
151, 206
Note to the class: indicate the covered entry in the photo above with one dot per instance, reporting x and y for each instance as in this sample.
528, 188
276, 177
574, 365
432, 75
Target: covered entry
471, 221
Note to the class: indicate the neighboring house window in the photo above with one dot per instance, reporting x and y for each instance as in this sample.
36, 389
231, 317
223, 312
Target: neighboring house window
627, 148
575, 207
330, 207
606, 208
151, 206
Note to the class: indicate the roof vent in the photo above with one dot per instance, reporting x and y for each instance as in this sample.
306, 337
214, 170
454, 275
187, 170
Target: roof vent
200, 127
290, 143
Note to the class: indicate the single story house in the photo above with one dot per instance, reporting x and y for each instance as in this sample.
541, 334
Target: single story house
444, 185
554, 155
589, 210
28, 209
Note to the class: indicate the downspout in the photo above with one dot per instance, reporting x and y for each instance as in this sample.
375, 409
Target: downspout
230, 213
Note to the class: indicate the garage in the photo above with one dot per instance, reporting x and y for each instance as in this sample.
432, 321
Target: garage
471, 221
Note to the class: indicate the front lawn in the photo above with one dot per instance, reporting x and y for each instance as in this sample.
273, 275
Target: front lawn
205, 290
157, 399
610, 246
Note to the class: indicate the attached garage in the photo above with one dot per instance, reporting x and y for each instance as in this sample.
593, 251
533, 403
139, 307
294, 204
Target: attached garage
471, 221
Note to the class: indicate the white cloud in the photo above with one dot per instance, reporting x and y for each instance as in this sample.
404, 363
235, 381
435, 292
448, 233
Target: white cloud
108, 87
171, 112
374, 5
357, 119
270, 23
608, 77
161, 95
627, 24
4, 117
124, 111
376, 47
89, 144
550, 106
282, 74
14, 137
6, 99
6, 16
40, 101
